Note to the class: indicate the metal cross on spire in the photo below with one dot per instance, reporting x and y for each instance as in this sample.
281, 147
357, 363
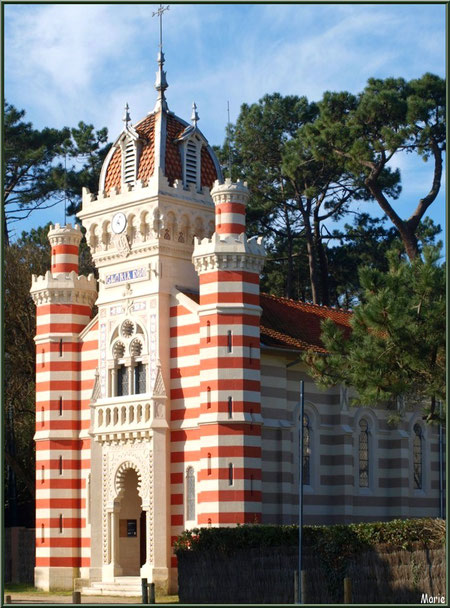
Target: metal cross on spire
162, 9
161, 82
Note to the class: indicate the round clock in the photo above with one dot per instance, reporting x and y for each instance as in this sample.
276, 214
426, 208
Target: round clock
119, 221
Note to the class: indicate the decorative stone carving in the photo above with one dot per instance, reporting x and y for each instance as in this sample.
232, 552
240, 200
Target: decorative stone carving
122, 244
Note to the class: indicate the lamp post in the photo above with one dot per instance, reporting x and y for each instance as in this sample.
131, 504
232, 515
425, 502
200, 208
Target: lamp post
300, 490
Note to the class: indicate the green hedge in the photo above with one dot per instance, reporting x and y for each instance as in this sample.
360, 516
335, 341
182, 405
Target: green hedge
338, 541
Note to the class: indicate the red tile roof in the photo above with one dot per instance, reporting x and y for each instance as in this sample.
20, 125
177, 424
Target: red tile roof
173, 171
291, 324
173, 158
296, 325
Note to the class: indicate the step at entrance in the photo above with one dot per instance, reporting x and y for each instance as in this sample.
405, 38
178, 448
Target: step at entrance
125, 586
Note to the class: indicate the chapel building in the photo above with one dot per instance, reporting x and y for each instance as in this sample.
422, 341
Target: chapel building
177, 404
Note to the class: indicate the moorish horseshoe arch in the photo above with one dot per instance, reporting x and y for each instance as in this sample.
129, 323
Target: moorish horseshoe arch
119, 478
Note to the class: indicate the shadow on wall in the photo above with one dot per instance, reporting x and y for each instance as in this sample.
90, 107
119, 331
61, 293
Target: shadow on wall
267, 576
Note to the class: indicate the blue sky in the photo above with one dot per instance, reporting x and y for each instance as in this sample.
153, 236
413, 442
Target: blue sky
70, 62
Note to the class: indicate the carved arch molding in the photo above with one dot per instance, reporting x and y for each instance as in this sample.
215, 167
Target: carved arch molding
117, 460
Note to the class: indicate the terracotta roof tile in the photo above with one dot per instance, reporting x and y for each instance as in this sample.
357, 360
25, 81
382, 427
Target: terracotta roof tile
146, 129
294, 325
291, 324
173, 158
209, 173
113, 173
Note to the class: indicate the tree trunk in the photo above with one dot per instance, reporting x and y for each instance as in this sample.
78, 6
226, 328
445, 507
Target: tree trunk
312, 261
407, 233
323, 265
290, 261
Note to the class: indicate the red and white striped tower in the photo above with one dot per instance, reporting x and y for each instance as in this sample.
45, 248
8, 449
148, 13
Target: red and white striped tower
230, 419
64, 303
65, 242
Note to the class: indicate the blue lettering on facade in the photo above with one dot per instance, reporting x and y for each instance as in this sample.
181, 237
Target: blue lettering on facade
128, 275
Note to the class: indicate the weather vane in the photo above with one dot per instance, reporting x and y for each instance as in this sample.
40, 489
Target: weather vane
160, 13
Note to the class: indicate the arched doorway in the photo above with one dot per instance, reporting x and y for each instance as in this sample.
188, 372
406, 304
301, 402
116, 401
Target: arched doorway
131, 530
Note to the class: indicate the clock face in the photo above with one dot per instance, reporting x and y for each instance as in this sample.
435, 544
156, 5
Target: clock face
119, 221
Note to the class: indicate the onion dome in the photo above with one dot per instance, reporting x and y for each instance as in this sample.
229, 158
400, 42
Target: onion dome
163, 141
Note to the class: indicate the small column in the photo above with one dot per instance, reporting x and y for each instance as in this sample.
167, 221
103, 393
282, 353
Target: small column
113, 568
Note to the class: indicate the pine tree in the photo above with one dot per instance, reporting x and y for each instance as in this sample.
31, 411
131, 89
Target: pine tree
397, 345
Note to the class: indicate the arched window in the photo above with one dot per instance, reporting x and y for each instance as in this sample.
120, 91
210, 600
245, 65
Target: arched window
363, 453
139, 378
306, 450
190, 494
122, 381
418, 457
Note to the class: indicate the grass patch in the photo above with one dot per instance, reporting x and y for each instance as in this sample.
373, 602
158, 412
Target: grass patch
25, 588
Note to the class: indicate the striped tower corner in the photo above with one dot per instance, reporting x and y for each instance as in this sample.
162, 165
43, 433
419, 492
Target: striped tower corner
230, 390
65, 243
64, 305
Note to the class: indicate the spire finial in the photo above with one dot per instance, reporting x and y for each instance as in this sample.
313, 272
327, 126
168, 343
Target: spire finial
194, 117
126, 117
161, 82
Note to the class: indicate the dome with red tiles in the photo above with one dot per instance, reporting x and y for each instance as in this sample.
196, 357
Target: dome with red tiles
174, 152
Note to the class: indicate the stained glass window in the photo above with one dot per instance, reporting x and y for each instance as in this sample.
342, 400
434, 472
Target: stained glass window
363, 454
139, 378
122, 381
417, 457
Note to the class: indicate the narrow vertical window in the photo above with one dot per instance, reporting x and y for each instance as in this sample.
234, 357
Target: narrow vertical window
61, 348
209, 463
251, 485
42, 473
230, 474
42, 416
42, 357
363, 454
219, 218
139, 378
60, 523
122, 381
418, 457
230, 407
230, 341
250, 353
42, 533
251, 419
306, 451
60, 406
60, 465
190, 494
208, 332
208, 397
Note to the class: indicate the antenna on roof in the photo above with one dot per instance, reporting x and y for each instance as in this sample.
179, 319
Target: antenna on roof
229, 140
65, 189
